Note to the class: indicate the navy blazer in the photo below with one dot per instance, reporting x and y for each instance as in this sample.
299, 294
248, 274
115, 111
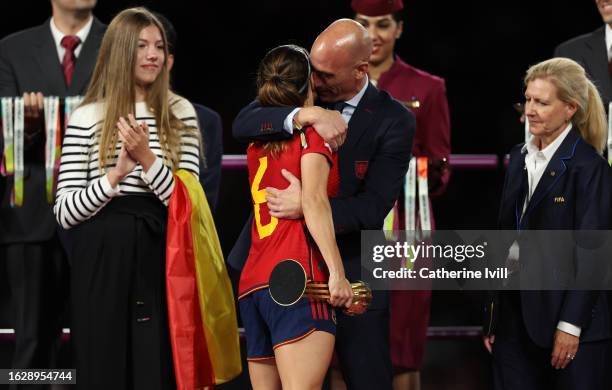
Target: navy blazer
590, 51
212, 138
582, 178
372, 164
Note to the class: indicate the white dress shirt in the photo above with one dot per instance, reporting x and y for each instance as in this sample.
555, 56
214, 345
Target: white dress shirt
536, 162
58, 35
347, 111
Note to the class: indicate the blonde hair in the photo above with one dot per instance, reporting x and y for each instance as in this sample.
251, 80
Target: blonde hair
574, 87
113, 82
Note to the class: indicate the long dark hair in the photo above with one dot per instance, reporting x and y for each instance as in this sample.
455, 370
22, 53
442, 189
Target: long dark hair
283, 76
283, 80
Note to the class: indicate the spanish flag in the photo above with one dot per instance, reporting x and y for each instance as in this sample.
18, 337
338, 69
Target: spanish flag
203, 325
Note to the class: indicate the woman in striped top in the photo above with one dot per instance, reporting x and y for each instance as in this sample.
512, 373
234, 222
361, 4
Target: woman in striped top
116, 177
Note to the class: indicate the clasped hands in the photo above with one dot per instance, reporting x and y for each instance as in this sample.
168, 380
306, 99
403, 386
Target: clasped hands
33, 115
134, 149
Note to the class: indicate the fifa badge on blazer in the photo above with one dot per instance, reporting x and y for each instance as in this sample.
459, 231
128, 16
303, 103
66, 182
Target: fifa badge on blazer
559, 199
361, 168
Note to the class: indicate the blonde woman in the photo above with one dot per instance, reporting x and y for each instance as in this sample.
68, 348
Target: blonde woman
557, 181
116, 177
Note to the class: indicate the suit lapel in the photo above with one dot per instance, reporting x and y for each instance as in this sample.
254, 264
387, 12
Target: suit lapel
361, 119
598, 62
49, 61
87, 59
555, 169
518, 187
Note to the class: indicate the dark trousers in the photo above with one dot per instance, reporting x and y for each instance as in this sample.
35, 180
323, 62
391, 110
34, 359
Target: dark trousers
520, 364
362, 345
37, 279
119, 311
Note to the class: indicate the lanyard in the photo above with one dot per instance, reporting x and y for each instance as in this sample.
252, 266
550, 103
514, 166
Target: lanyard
7, 166
52, 143
18, 128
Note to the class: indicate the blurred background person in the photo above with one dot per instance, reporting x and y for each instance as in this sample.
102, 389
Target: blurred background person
594, 51
554, 339
121, 148
210, 128
55, 58
425, 95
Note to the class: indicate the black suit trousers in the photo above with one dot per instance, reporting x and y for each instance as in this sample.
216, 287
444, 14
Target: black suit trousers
520, 364
362, 345
37, 279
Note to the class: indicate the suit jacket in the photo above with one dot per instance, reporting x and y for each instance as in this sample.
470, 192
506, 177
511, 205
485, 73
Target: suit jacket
579, 175
372, 164
212, 138
590, 51
432, 138
29, 63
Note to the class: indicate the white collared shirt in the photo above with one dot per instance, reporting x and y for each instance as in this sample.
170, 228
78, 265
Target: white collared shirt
58, 35
352, 103
536, 162
609, 41
347, 111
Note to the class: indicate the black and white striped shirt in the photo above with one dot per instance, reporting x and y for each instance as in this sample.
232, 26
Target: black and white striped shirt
82, 189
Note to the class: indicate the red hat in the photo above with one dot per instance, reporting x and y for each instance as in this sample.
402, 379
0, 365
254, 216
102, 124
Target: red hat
376, 7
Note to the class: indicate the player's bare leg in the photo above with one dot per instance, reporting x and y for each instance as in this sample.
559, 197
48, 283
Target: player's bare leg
264, 375
302, 365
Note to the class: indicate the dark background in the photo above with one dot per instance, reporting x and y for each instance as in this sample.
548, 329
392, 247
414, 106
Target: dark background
481, 48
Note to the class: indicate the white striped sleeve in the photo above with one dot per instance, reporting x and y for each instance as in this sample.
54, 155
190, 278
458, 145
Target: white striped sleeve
160, 180
190, 151
190, 139
77, 199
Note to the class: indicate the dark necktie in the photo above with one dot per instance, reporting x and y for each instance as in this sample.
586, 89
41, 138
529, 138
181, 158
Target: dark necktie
339, 106
69, 42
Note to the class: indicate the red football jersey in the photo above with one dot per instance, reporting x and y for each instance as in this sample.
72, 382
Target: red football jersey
272, 239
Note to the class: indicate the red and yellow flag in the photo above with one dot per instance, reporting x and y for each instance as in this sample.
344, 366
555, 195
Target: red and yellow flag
203, 325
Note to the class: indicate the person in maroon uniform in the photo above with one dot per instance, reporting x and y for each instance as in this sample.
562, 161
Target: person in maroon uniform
425, 95
291, 346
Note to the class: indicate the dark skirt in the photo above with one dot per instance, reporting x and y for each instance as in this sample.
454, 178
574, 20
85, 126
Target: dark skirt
119, 326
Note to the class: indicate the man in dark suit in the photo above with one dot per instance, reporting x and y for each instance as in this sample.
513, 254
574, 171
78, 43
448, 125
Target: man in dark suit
372, 163
55, 58
593, 52
210, 129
